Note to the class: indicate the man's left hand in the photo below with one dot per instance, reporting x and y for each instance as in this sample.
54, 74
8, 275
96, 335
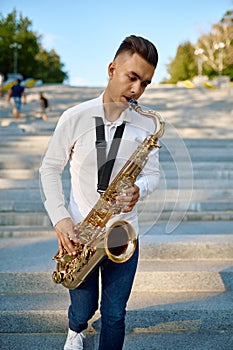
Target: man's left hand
128, 198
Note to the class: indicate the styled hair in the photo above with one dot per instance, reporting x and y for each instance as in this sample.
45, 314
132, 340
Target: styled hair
141, 46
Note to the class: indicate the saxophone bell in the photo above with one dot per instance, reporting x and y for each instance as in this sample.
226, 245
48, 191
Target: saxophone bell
120, 241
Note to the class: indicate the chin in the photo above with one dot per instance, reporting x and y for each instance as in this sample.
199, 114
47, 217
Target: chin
124, 100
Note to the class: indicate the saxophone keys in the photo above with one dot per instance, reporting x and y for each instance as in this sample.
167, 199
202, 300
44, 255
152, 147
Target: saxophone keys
57, 277
69, 278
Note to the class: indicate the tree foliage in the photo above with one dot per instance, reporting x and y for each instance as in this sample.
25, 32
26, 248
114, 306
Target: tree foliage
183, 66
215, 51
49, 67
32, 59
218, 47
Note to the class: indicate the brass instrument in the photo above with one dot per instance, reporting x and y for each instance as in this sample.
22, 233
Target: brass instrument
119, 241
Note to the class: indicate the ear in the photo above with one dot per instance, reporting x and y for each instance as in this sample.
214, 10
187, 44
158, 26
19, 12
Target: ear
111, 69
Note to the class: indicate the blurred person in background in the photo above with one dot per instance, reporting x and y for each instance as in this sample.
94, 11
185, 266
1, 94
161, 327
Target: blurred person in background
14, 96
44, 103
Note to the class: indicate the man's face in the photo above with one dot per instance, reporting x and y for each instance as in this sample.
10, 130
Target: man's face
129, 75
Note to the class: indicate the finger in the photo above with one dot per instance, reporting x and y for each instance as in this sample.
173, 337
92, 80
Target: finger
64, 242
74, 236
130, 192
124, 199
60, 246
128, 206
70, 247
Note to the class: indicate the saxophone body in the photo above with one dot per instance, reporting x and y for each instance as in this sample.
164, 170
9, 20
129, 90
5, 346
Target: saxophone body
118, 242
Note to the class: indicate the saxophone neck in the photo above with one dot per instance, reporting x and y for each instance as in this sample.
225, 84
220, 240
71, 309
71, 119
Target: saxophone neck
155, 116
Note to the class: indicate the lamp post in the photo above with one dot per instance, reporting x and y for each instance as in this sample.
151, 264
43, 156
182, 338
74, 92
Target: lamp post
220, 46
198, 52
16, 47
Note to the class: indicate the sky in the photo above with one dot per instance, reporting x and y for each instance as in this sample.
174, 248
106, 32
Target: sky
86, 33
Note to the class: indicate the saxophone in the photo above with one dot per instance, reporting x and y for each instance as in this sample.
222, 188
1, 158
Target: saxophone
118, 242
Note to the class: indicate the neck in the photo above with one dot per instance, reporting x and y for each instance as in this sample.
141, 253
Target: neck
113, 110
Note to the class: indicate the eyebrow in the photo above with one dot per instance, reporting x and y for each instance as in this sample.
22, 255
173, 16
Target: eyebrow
138, 76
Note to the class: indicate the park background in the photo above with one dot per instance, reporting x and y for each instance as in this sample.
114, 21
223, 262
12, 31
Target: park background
182, 295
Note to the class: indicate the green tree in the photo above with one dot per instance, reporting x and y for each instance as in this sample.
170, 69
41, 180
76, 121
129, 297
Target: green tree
19, 31
183, 66
218, 47
49, 67
216, 53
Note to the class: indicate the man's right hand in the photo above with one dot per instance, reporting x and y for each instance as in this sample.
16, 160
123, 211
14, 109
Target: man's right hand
65, 235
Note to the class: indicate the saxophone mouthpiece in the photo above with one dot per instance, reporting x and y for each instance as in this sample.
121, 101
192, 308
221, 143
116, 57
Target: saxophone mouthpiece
132, 103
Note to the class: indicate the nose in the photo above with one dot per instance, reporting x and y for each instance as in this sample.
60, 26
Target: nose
136, 88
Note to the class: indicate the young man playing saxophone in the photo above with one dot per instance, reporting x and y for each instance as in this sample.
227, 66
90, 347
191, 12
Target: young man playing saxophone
74, 140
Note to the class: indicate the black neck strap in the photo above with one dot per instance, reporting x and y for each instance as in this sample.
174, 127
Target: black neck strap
105, 165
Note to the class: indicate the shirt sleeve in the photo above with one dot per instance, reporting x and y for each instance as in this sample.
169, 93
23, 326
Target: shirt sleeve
53, 164
148, 180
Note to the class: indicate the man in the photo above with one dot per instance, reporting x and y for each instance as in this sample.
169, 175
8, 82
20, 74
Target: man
74, 140
15, 94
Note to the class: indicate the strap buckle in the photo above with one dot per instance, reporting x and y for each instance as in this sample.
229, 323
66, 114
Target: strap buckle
100, 143
101, 192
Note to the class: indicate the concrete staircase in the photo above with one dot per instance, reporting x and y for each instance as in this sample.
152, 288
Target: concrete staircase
182, 296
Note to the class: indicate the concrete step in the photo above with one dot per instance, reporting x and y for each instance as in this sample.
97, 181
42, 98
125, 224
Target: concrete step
202, 143
40, 219
187, 231
196, 155
34, 254
190, 229
193, 155
206, 197
145, 340
153, 208
24, 160
156, 276
185, 166
26, 142
165, 184
30, 192
37, 306
152, 276
47, 313
167, 263
24, 219
190, 143
186, 215
26, 231
218, 173
197, 173
35, 127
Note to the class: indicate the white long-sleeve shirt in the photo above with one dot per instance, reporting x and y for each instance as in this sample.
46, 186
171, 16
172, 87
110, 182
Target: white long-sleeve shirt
74, 141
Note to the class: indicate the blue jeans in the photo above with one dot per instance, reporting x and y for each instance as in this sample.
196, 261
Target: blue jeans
117, 280
17, 102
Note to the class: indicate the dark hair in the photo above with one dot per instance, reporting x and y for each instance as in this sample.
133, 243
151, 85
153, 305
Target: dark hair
141, 46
